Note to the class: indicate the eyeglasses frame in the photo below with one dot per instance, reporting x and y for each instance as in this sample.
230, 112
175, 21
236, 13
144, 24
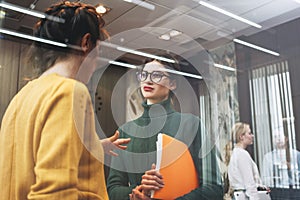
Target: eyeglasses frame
150, 73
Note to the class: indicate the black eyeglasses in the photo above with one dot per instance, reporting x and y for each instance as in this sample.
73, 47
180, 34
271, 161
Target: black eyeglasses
155, 76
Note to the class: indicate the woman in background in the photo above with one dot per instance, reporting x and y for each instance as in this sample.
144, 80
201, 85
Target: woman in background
49, 148
242, 171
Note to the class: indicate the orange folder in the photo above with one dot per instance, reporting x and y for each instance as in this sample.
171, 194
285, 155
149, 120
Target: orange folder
176, 165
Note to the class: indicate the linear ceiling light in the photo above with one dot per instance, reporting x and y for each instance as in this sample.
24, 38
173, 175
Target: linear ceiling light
127, 50
22, 10
30, 12
229, 14
145, 54
256, 47
8, 32
167, 70
224, 67
142, 4
122, 64
183, 73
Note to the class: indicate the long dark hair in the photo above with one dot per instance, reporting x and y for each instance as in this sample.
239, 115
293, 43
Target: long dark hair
79, 19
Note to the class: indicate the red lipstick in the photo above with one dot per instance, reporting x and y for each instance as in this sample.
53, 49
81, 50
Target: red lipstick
147, 89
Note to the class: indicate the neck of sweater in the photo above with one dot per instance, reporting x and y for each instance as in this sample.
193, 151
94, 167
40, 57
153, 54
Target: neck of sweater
157, 110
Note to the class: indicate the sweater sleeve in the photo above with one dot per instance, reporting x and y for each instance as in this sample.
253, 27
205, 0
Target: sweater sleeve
118, 182
58, 149
118, 188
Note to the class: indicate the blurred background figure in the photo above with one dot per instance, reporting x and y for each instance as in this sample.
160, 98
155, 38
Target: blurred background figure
281, 165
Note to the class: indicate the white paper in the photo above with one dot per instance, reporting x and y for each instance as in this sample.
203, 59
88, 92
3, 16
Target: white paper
159, 146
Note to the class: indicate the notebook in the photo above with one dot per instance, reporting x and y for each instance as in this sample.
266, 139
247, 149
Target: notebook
176, 165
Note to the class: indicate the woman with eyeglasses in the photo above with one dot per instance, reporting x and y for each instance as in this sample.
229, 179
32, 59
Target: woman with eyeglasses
132, 174
243, 173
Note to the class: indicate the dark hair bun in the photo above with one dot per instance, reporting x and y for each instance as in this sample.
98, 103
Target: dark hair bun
78, 18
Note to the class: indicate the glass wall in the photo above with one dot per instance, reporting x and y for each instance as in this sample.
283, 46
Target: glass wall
226, 78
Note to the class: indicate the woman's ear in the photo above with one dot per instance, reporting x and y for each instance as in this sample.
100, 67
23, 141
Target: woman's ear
241, 138
172, 85
86, 43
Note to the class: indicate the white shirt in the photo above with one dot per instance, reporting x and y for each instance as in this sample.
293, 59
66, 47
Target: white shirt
243, 173
275, 171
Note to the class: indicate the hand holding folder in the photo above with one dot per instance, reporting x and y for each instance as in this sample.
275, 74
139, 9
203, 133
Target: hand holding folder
176, 165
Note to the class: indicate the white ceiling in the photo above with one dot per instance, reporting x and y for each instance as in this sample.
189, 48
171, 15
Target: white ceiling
127, 23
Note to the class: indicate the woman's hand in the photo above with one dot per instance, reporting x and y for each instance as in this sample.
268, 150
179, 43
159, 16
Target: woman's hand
138, 194
113, 142
152, 180
263, 188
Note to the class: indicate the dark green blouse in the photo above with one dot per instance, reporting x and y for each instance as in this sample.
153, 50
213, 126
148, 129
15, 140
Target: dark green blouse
127, 169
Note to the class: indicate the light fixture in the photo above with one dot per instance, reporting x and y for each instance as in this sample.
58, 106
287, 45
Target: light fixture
166, 70
140, 53
122, 64
24, 36
174, 33
169, 35
164, 37
145, 54
256, 47
229, 14
142, 4
30, 12
224, 67
22, 10
101, 9
183, 73
2, 14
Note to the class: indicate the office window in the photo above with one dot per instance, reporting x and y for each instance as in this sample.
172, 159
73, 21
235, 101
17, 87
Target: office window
273, 125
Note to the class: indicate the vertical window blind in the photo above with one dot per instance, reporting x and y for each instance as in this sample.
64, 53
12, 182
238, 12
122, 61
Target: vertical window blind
273, 125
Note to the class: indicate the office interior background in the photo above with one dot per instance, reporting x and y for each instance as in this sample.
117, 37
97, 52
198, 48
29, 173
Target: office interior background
239, 61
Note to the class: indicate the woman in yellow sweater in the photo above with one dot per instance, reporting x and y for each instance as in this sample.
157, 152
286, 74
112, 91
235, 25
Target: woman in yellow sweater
49, 148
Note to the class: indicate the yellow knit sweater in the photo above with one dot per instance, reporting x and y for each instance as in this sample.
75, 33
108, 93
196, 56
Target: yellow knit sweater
48, 145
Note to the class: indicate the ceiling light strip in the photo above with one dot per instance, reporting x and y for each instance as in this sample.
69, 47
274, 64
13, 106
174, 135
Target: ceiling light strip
256, 47
122, 64
297, 1
12, 33
142, 4
224, 67
127, 50
183, 73
229, 14
145, 54
135, 67
30, 12
22, 10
